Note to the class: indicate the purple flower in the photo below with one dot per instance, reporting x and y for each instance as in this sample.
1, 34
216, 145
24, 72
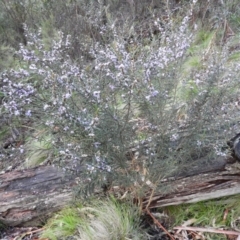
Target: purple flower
28, 113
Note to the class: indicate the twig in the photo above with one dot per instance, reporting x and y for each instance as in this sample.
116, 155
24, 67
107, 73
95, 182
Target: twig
211, 230
152, 192
159, 224
28, 233
154, 219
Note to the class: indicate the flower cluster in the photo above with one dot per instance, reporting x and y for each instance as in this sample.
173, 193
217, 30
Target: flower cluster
19, 95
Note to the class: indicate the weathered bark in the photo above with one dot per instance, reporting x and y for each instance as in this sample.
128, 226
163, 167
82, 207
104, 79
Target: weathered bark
199, 187
29, 196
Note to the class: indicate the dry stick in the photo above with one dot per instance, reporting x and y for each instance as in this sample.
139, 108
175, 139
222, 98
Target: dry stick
29, 233
199, 229
154, 219
35, 231
153, 190
159, 224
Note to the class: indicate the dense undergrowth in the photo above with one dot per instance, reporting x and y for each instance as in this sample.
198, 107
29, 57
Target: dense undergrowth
124, 93
110, 219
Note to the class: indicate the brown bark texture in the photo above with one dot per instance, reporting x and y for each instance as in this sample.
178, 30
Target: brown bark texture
221, 182
28, 197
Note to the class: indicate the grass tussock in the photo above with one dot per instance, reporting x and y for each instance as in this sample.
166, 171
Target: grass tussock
103, 220
215, 214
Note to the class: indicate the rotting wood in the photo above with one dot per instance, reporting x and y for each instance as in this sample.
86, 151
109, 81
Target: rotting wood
204, 186
29, 196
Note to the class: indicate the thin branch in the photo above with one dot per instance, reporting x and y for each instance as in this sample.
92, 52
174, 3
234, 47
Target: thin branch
210, 230
159, 224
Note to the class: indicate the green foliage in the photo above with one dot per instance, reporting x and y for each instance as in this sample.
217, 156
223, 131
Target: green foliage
4, 132
204, 38
48, 31
233, 14
157, 93
234, 56
64, 224
128, 94
38, 149
96, 220
202, 213
6, 58
220, 213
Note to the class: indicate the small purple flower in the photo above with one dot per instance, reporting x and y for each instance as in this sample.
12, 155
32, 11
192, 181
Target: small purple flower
154, 93
28, 113
96, 94
16, 112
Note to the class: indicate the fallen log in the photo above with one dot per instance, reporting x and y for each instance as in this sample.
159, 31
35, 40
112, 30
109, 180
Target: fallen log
30, 196
196, 188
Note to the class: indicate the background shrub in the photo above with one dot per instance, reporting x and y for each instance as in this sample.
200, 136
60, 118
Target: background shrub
120, 101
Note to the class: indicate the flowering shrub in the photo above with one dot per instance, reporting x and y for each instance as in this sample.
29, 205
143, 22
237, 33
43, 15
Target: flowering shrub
127, 112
